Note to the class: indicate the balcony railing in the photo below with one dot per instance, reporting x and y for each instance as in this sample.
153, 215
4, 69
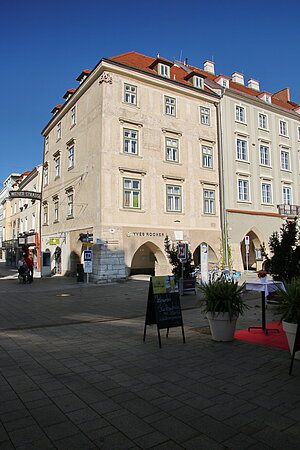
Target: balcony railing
289, 210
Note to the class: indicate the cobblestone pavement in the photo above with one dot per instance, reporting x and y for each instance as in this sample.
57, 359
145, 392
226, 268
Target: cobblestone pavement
76, 374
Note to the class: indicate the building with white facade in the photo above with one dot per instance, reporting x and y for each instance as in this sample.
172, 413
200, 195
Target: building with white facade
130, 157
4, 194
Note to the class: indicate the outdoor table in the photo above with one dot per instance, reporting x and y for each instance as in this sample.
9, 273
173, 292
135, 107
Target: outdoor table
265, 287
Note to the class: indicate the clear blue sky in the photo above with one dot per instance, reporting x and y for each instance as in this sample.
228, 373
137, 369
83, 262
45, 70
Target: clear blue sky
45, 45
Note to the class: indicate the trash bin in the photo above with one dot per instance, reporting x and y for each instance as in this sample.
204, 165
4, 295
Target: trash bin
80, 273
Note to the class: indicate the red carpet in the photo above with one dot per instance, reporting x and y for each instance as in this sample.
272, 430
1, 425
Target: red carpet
273, 339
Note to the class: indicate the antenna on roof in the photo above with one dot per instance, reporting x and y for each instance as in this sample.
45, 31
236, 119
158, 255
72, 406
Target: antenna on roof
180, 55
212, 58
158, 55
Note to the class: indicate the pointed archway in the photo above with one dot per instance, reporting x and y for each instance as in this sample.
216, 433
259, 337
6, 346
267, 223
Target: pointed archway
212, 257
251, 253
149, 260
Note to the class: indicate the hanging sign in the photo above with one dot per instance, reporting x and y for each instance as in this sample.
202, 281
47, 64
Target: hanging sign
204, 262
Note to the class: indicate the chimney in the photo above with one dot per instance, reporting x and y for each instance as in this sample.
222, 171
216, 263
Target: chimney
209, 66
253, 84
237, 78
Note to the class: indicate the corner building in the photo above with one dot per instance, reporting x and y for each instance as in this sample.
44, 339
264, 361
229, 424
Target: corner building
130, 157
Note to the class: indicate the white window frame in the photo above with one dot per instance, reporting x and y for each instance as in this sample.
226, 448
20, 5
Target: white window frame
266, 193
209, 201
172, 149
46, 176
243, 190
58, 129
71, 156
240, 114
70, 204
73, 116
130, 94
287, 195
45, 215
56, 211
283, 128
241, 153
263, 121
285, 160
57, 166
164, 70
204, 115
198, 82
207, 157
130, 141
46, 144
264, 155
170, 106
174, 198
131, 192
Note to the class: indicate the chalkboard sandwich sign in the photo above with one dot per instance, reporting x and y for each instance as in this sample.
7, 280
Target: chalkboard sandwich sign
163, 307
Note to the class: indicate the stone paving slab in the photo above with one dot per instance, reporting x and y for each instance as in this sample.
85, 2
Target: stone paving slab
96, 384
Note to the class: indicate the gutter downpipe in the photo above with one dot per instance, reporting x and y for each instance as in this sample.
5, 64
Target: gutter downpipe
223, 213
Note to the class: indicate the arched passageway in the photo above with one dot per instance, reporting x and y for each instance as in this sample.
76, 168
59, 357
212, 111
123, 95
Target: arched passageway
212, 257
150, 260
251, 253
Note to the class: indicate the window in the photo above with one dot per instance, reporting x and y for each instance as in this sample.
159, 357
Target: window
130, 94
131, 193
172, 150
70, 204
71, 157
164, 70
58, 131
198, 82
264, 153
57, 167
266, 193
205, 116
46, 144
209, 201
56, 211
243, 190
207, 157
285, 160
263, 123
73, 116
287, 195
240, 114
130, 141
174, 198
241, 150
46, 176
283, 128
45, 215
170, 106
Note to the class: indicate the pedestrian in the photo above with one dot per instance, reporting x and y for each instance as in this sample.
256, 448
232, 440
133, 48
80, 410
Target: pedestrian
22, 269
29, 263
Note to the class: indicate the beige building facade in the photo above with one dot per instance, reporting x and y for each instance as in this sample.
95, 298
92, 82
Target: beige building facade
131, 157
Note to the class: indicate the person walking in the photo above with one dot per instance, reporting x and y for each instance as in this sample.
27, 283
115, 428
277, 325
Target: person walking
29, 263
23, 269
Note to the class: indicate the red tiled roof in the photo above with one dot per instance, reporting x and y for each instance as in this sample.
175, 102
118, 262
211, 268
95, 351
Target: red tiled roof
56, 108
68, 92
142, 62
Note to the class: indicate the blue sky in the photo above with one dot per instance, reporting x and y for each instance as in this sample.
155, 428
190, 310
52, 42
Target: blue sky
44, 45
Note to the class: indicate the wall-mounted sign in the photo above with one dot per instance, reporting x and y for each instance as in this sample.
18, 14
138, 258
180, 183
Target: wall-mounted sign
22, 240
31, 239
247, 240
26, 194
144, 233
54, 241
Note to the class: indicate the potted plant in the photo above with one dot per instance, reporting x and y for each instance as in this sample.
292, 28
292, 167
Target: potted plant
222, 302
288, 306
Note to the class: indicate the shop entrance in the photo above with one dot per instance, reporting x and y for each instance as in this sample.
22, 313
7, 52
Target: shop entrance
254, 257
149, 260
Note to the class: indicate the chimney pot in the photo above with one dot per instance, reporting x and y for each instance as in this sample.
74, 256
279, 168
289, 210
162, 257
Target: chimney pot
253, 84
209, 66
237, 78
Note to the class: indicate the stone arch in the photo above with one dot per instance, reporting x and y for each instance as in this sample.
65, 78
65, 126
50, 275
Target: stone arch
212, 256
149, 259
254, 258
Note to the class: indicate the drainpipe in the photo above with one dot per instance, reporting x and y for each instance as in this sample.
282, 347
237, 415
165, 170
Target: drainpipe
223, 213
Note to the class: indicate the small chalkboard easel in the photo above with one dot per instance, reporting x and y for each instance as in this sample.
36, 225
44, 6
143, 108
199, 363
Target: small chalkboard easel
163, 307
296, 347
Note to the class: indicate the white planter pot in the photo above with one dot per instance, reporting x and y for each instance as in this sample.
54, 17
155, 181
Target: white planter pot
222, 329
290, 330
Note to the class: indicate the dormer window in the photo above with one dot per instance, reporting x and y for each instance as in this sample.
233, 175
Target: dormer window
164, 70
198, 82
223, 81
266, 97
